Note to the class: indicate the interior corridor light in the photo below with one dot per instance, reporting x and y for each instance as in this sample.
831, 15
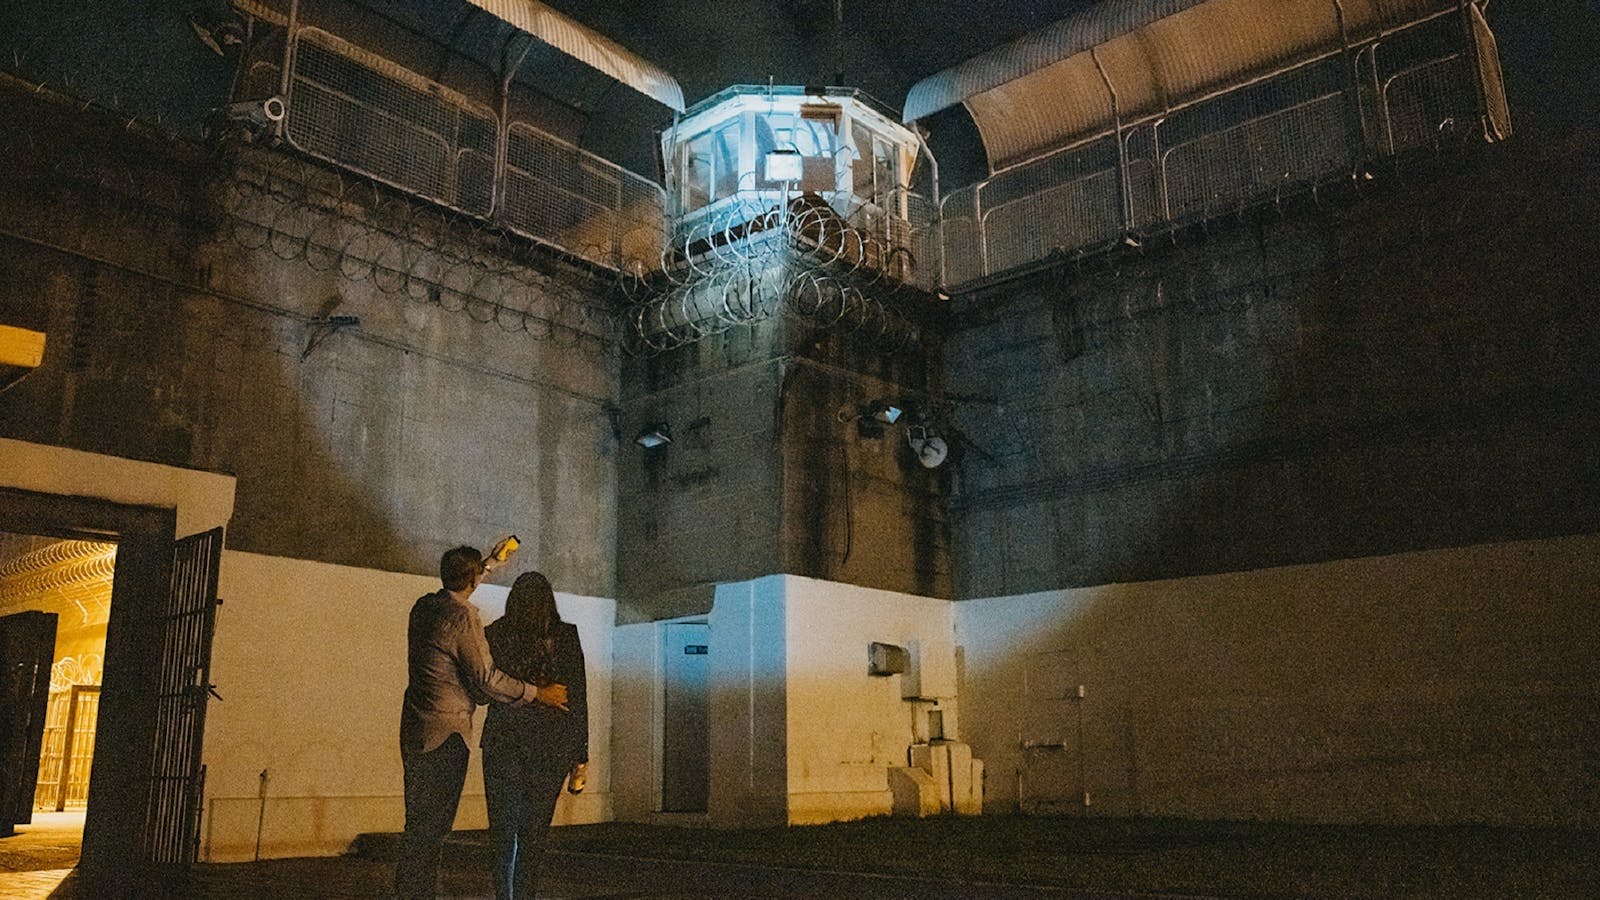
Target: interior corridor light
657, 435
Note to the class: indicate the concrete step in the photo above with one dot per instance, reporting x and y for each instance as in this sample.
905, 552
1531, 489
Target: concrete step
459, 847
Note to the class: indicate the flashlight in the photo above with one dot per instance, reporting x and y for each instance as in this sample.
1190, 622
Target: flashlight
505, 548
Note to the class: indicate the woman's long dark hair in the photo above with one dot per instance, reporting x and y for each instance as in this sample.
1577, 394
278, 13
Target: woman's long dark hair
532, 616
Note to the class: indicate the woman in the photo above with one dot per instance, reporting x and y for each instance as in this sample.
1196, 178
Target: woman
528, 751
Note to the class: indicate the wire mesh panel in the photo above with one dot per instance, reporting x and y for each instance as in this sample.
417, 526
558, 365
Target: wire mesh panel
1429, 103
1062, 202
963, 243
643, 221
914, 253
558, 193
1147, 196
1076, 214
1256, 158
1257, 141
360, 111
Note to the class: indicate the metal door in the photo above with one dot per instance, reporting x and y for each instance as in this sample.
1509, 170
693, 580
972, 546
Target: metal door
177, 779
686, 731
27, 649
68, 750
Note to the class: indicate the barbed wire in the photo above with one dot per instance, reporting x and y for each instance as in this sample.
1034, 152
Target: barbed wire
739, 267
405, 247
295, 209
747, 263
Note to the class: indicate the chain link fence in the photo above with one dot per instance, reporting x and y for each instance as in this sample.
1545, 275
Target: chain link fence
1313, 123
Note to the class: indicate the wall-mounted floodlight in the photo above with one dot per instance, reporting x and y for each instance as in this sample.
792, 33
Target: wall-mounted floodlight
21, 351
931, 450
784, 165
884, 412
657, 435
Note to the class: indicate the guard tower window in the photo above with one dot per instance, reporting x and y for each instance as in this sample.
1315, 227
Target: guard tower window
711, 167
872, 165
837, 146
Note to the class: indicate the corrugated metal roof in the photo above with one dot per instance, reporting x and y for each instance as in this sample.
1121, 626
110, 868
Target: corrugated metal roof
589, 46
1034, 51
1045, 90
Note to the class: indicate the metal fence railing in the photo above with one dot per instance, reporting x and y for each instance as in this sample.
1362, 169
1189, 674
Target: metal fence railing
365, 113
1284, 132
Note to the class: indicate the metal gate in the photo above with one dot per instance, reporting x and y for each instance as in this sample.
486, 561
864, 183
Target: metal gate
177, 779
68, 754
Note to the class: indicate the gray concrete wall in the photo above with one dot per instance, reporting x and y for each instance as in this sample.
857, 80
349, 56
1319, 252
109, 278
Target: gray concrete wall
1405, 366
706, 508
1305, 501
768, 473
179, 333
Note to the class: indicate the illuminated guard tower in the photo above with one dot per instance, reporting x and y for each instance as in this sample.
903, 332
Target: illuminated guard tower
788, 198
751, 148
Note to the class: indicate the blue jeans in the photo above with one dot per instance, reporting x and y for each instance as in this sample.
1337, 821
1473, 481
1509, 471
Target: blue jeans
521, 786
433, 791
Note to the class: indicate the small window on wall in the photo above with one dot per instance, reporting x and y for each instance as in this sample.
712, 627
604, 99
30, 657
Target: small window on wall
711, 167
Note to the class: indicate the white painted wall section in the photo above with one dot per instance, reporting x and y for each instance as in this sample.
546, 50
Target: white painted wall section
847, 728
1444, 686
749, 723
203, 500
636, 709
311, 659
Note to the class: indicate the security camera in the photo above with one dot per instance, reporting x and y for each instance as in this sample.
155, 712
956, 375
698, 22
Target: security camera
256, 114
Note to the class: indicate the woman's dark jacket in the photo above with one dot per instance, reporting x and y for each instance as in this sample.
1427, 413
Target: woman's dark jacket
560, 738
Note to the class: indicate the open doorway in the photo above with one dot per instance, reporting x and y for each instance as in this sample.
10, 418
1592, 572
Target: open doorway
55, 603
141, 809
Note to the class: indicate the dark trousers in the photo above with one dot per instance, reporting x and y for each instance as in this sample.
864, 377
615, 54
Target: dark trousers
433, 791
521, 787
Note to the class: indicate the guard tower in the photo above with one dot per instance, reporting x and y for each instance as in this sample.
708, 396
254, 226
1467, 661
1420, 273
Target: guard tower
832, 157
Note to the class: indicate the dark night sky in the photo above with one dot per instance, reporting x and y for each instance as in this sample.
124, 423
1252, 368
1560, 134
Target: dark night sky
887, 46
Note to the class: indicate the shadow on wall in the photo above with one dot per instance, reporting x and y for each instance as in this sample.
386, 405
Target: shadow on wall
1409, 368
1447, 686
377, 447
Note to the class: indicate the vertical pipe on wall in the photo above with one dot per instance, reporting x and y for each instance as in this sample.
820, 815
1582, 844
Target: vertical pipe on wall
1123, 198
1356, 130
261, 810
286, 71
938, 207
497, 187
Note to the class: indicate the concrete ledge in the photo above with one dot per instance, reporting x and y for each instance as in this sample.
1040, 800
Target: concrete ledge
838, 806
915, 794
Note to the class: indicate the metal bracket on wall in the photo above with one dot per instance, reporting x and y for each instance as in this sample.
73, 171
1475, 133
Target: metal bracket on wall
318, 330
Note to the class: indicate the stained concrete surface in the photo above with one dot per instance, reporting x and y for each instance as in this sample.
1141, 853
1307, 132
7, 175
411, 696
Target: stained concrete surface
41, 855
990, 856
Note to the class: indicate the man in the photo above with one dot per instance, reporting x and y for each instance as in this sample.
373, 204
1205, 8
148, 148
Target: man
451, 673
